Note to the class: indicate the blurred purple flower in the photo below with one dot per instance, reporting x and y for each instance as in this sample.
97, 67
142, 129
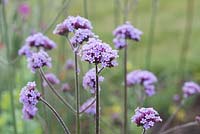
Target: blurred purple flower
146, 117
144, 78
95, 51
80, 36
69, 64
24, 10
38, 60
25, 50
65, 87
39, 40
92, 109
4, 2
29, 97
176, 98
51, 78
89, 80
123, 32
71, 24
190, 88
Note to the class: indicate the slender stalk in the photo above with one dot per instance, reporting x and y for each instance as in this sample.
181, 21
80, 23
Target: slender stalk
170, 119
65, 5
85, 8
77, 93
88, 106
44, 108
143, 131
58, 117
187, 36
116, 12
97, 101
151, 34
125, 10
9, 68
190, 124
125, 92
55, 92
125, 127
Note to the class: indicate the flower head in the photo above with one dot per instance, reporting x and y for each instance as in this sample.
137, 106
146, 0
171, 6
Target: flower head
69, 64
144, 78
72, 23
90, 110
25, 50
38, 60
65, 87
51, 78
123, 32
95, 51
24, 10
146, 117
29, 97
39, 40
89, 80
190, 88
80, 36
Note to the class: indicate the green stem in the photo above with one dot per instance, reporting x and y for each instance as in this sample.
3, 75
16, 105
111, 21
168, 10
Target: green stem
194, 123
125, 92
170, 119
186, 39
85, 8
97, 101
77, 93
55, 92
58, 117
125, 10
125, 128
88, 106
151, 34
44, 108
65, 5
116, 12
143, 131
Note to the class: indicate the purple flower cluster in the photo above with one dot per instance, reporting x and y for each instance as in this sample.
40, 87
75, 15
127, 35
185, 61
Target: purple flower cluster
71, 24
123, 32
39, 40
29, 97
144, 78
89, 80
51, 78
146, 117
90, 110
24, 10
80, 36
25, 50
38, 60
190, 88
65, 87
95, 51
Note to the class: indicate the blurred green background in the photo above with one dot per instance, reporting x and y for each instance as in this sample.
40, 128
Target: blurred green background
170, 30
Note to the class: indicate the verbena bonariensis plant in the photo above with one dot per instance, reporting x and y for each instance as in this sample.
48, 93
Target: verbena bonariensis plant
94, 51
29, 97
98, 53
123, 33
81, 29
